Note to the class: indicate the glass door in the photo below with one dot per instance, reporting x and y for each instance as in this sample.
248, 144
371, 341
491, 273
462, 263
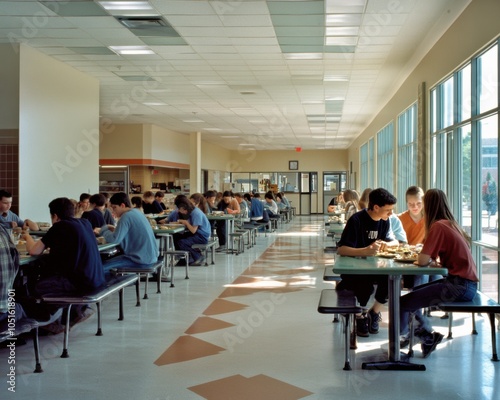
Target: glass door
333, 184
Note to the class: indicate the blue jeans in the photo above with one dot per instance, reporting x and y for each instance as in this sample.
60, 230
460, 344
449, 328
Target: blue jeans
184, 241
451, 288
120, 261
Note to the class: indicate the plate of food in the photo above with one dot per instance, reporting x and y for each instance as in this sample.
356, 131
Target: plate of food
386, 254
406, 258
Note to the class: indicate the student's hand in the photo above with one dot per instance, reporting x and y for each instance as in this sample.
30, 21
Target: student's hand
111, 228
97, 231
13, 224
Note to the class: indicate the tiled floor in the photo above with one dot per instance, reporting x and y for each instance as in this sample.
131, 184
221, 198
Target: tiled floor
245, 328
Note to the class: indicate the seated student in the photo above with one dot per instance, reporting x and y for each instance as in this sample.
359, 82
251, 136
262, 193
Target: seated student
363, 236
9, 258
284, 199
10, 220
448, 244
108, 215
95, 212
82, 205
136, 202
150, 205
159, 196
336, 202
132, 232
229, 205
256, 208
244, 209
73, 265
351, 198
271, 206
363, 200
210, 197
197, 231
199, 201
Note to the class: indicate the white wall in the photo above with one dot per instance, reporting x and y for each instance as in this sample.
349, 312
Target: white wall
58, 133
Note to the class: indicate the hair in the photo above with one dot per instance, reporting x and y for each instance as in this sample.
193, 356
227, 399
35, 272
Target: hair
380, 197
436, 208
256, 195
351, 196
200, 202
247, 197
363, 200
136, 201
238, 195
62, 207
210, 193
4, 193
414, 191
269, 195
120, 198
227, 193
85, 196
160, 194
279, 196
98, 199
149, 193
181, 201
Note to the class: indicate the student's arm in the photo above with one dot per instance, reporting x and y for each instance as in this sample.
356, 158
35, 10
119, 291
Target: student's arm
28, 223
368, 251
33, 247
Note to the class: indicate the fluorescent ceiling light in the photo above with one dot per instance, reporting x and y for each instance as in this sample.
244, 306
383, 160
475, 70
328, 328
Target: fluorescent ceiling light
131, 50
342, 31
126, 5
336, 78
192, 121
303, 56
246, 144
343, 19
212, 129
153, 103
341, 40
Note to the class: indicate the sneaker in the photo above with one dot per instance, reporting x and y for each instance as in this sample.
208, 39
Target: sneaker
373, 319
430, 343
198, 262
362, 326
404, 341
221, 249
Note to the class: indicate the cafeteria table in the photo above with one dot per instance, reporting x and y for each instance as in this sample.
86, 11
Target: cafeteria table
228, 220
394, 270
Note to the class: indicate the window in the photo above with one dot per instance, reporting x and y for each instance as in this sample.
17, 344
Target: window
385, 157
407, 152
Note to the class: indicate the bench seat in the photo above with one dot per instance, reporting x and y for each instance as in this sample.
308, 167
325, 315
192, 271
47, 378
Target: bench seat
345, 304
211, 245
479, 304
113, 285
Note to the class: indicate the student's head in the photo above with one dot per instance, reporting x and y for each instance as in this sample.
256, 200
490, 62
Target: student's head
381, 203
159, 195
269, 196
247, 197
183, 204
61, 208
98, 200
238, 197
351, 196
436, 208
136, 202
227, 196
210, 196
119, 203
363, 200
199, 201
279, 197
5, 201
148, 197
256, 195
414, 200
84, 201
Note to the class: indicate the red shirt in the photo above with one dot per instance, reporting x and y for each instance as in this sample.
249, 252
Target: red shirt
445, 242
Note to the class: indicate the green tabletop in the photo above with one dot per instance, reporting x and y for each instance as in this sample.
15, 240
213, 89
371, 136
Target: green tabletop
220, 217
168, 229
336, 228
381, 266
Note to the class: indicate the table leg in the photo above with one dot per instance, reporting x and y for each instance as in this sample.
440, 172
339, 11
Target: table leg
394, 362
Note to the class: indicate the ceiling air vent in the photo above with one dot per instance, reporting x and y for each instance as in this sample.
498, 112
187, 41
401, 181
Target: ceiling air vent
148, 26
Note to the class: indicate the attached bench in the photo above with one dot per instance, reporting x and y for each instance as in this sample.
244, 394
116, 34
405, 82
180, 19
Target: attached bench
113, 285
345, 304
330, 276
479, 304
25, 325
211, 245
155, 267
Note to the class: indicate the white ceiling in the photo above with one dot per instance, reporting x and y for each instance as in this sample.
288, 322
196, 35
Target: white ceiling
234, 71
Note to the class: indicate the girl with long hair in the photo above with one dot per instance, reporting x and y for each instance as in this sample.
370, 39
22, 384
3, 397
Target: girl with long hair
447, 244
